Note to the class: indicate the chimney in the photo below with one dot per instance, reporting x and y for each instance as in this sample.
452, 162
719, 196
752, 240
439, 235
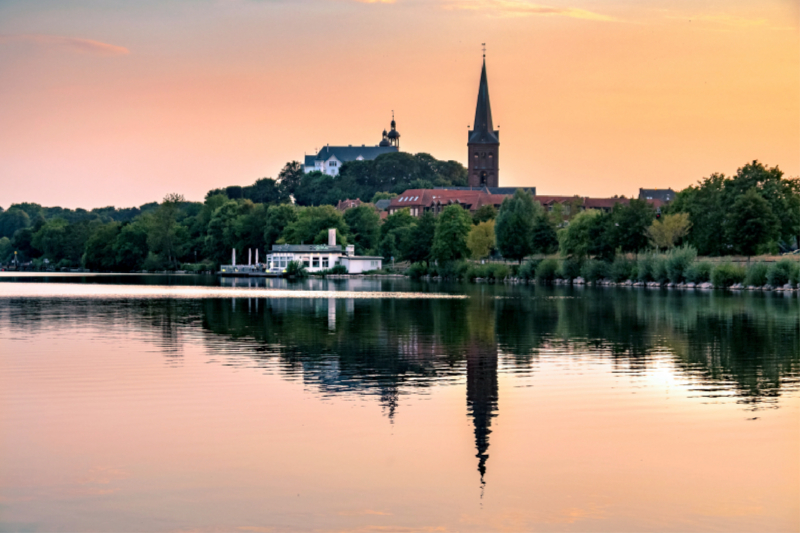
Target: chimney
332, 237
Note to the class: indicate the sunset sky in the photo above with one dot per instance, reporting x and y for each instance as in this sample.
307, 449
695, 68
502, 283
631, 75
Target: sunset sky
107, 102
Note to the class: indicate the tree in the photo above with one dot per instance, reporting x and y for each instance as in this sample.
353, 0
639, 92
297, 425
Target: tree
163, 237
6, 249
396, 233
130, 246
710, 203
50, 239
420, 240
544, 239
266, 191
450, 238
514, 225
13, 219
22, 242
311, 221
782, 195
628, 224
364, 223
100, 254
223, 232
576, 239
751, 224
484, 214
278, 217
665, 233
290, 176
481, 239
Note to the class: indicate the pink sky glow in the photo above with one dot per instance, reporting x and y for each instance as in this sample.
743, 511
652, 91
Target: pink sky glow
119, 104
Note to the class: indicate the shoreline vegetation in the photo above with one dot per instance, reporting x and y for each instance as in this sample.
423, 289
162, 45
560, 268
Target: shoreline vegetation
688, 242
680, 269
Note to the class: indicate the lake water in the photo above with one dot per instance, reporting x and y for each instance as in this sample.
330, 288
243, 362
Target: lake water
182, 403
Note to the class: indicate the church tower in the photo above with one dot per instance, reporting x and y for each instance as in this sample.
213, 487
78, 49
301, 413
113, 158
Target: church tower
483, 144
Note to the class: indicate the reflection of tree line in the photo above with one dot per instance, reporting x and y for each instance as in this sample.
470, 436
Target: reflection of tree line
388, 347
750, 342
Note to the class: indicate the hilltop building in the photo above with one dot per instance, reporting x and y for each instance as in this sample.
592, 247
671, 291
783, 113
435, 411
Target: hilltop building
330, 159
483, 141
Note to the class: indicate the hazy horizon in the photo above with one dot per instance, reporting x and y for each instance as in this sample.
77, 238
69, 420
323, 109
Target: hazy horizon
120, 104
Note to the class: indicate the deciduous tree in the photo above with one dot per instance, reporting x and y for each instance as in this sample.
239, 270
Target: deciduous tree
481, 239
514, 225
665, 233
450, 238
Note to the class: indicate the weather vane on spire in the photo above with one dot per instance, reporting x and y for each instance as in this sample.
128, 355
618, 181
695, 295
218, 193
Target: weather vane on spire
484, 49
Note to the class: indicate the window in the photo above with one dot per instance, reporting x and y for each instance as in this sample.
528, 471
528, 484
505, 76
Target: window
283, 262
416, 198
324, 262
490, 155
315, 262
305, 262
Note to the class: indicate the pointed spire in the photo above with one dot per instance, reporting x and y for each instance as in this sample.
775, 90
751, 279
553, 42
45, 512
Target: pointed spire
483, 127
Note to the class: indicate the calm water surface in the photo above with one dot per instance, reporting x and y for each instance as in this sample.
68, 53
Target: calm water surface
183, 403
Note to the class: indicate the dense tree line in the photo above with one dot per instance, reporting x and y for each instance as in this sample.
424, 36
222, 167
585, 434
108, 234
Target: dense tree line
756, 211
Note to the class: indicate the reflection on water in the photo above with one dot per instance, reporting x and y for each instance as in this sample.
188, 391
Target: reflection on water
716, 348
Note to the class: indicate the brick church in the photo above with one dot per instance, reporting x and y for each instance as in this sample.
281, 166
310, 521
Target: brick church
483, 144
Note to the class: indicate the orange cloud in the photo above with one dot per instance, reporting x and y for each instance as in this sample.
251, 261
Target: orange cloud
521, 8
76, 44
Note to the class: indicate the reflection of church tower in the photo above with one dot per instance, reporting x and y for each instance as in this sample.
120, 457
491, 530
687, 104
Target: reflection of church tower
482, 396
483, 144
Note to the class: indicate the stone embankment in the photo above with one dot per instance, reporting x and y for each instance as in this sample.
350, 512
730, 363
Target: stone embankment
629, 283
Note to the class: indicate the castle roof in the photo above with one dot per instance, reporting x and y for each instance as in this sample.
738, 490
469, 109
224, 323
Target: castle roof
349, 153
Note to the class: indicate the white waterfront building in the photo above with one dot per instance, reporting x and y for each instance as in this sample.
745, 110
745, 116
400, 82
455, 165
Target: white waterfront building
314, 257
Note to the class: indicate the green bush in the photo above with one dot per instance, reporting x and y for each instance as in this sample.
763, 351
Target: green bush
570, 269
498, 271
794, 276
453, 270
528, 269
678, 261
659, 272
782, 272
595, 270
416, 270
621, 269
296, 269
546, 272
726, 274
699, 272
756, 275
644, 267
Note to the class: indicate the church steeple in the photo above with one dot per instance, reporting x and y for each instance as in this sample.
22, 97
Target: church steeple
483, 127
483, 142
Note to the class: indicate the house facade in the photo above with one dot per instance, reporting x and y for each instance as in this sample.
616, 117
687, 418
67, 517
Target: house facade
419, 201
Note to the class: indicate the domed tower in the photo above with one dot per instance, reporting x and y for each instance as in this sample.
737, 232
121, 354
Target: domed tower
483, 143
384, 140
394, 135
